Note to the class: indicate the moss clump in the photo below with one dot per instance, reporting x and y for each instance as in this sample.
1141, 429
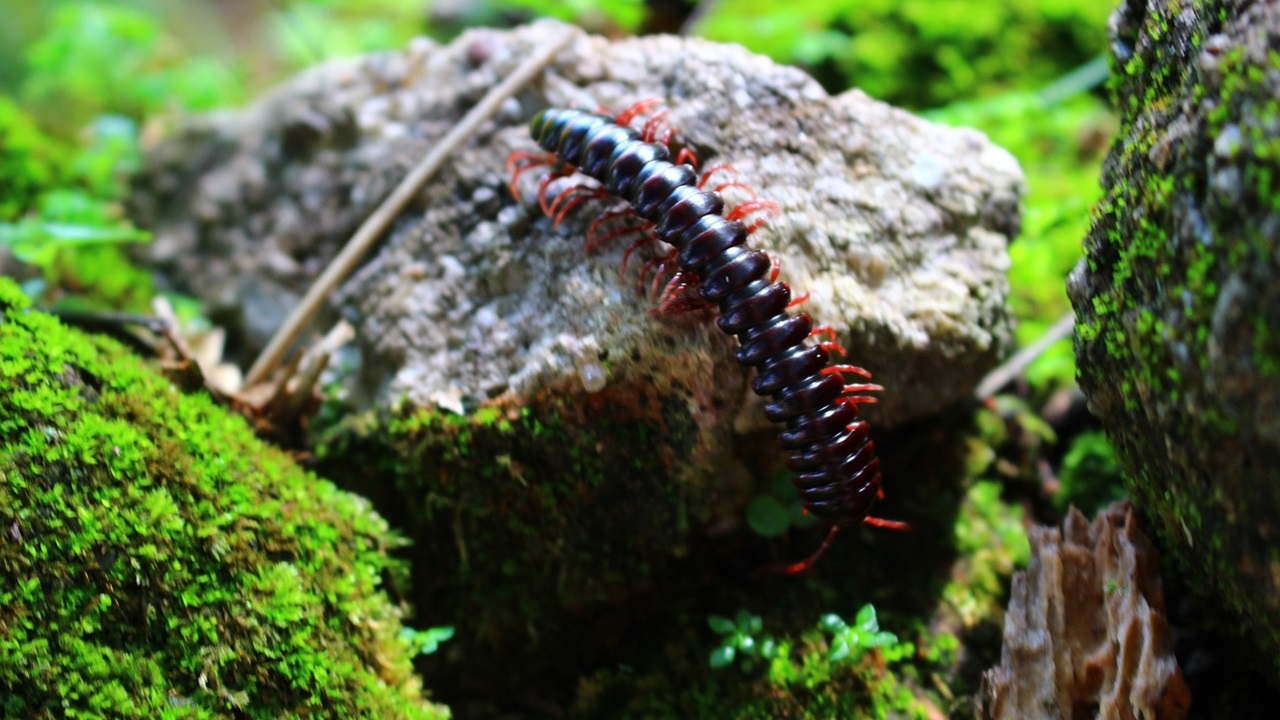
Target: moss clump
160, 561
528, 517
530, 509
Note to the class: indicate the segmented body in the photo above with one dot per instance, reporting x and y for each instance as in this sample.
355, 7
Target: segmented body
829, 449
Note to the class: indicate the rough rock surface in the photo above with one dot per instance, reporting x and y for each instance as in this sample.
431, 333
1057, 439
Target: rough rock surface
1085, 634
1178, 298
895, 226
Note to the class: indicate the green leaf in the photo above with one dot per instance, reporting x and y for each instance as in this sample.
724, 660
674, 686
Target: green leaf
839, 649
425, 642
719, 624
866, 619
721, 657
768, 648
880, 639
767, 516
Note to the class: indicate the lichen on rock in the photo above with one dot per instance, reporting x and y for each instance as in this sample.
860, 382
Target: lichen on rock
160, 561
1085, 634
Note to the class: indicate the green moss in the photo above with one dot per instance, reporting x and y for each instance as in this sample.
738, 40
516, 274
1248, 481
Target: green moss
545, 487
160, 561
991, 536
1091, 477
526, 519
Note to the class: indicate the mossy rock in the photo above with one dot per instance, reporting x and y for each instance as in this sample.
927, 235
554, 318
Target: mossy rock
607, 622
157, 560
1178, 298
529, 523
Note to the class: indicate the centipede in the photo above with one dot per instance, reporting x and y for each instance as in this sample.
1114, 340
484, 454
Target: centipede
634, 157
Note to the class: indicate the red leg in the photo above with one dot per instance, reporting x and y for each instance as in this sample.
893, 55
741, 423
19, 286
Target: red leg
725, 168
636, 109
595, 240
886, 524
675, 298
687, 157
851, 369
712, 170
521, 162
799, 300
766, 208
657, 128
669, 137
660, 263
774, 270
572, 198
808, 563
831, 345
750, 191
856, 400
647, 237
543, 203
775, 267
849, 394
804, 565
656, 124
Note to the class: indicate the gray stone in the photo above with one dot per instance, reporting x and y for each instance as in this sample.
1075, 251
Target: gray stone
896, 227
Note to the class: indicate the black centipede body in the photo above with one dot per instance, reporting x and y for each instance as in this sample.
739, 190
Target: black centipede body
829, 448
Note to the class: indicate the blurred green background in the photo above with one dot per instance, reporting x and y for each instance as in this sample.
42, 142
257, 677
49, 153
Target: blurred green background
85, 85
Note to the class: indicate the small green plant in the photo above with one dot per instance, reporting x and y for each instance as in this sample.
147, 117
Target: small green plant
425, 642
66, 218
778, 509
740, 640
848, 642
71, 107
840, 669
1091, 476
98, 57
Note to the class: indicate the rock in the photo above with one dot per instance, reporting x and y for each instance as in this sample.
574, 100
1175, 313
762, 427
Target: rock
895, 226
160, 561
1178, 297
551, 448
1085, 634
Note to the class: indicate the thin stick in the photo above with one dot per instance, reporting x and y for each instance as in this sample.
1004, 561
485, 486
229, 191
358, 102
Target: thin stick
1014, 366
376, 223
